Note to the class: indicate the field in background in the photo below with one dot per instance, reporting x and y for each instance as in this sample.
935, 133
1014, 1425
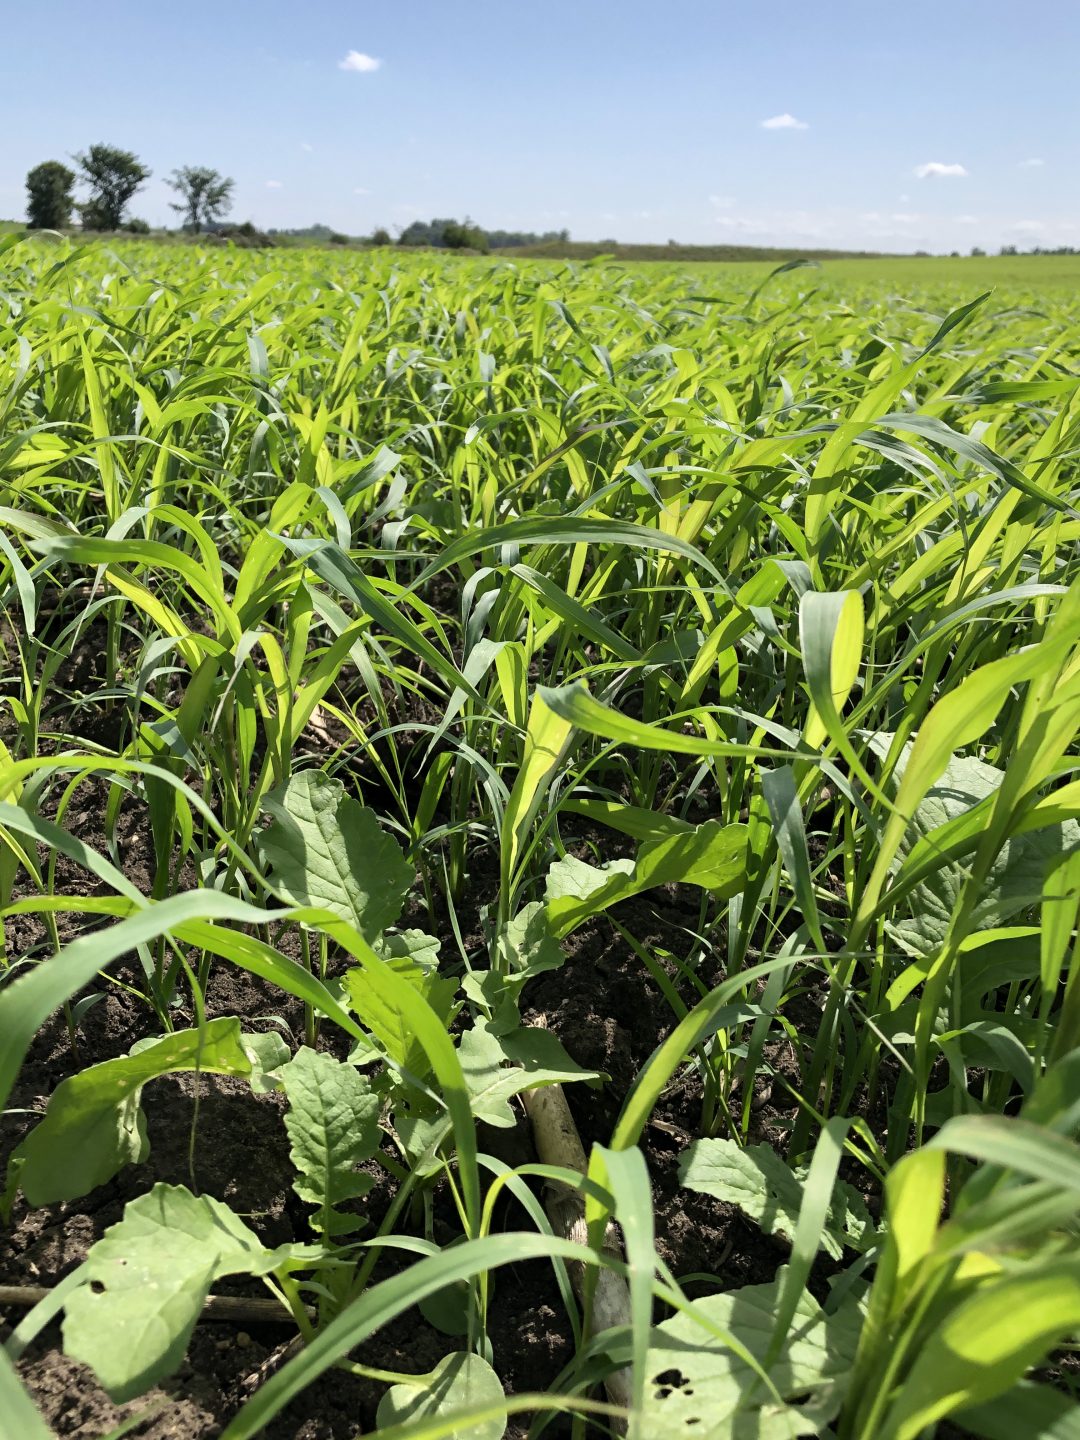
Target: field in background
438, 690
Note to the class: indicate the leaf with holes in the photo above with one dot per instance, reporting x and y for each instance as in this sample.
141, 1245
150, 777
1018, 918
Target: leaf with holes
147, 1279
697, 1387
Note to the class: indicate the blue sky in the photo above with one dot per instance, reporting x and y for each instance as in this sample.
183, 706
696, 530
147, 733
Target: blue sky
627, 118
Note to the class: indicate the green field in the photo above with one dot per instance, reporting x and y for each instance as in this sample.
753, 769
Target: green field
489, 749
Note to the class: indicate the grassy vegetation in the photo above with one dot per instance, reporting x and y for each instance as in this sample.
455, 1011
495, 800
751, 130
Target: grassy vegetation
447, 619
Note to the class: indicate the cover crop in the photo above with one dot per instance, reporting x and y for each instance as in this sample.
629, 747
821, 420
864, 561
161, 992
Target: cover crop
431, 681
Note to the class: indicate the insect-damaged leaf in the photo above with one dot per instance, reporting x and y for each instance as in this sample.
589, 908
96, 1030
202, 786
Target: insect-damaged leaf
696, 1386
147, 1279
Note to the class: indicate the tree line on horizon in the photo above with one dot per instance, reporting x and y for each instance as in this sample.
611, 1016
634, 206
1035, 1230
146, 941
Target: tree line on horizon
113, 176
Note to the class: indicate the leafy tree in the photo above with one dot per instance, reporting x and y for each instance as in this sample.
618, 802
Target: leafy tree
113, 177
380, 236
464, 235
445, 235
205, 195
49, 196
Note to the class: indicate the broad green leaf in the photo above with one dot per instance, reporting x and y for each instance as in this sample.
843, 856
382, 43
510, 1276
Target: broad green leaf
459, 1380
1016, 879
959, 718
146, 1281
497, 1067
527, 944
389, 1018
415, 945
526, 947
766, 1190
94, 1124
711, 855
698, 1387
326, 850
333, 1125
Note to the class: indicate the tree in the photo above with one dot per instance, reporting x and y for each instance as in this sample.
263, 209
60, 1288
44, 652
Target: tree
380, 236
205, 195
49, 196
113, 177
445, 235
464, 235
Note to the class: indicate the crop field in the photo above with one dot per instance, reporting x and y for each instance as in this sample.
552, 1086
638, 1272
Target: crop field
540, 866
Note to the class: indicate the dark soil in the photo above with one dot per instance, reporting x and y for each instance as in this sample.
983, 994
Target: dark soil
213, 1134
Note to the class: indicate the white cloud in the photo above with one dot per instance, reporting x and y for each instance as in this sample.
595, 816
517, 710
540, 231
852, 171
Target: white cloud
967, 220
1028, 227
784, 122
1032, 164
722, 202
904, 199
358, 62
934, 169
361, 191
902, 217
305, 146
274, 185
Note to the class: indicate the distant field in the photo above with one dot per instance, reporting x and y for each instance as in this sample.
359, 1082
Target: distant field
1026, 275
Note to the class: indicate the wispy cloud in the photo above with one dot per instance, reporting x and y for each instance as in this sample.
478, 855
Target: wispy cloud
274, 185
1033, 164
967, 219
305, 146
359, 63
784, 122
359, 190
937, 169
